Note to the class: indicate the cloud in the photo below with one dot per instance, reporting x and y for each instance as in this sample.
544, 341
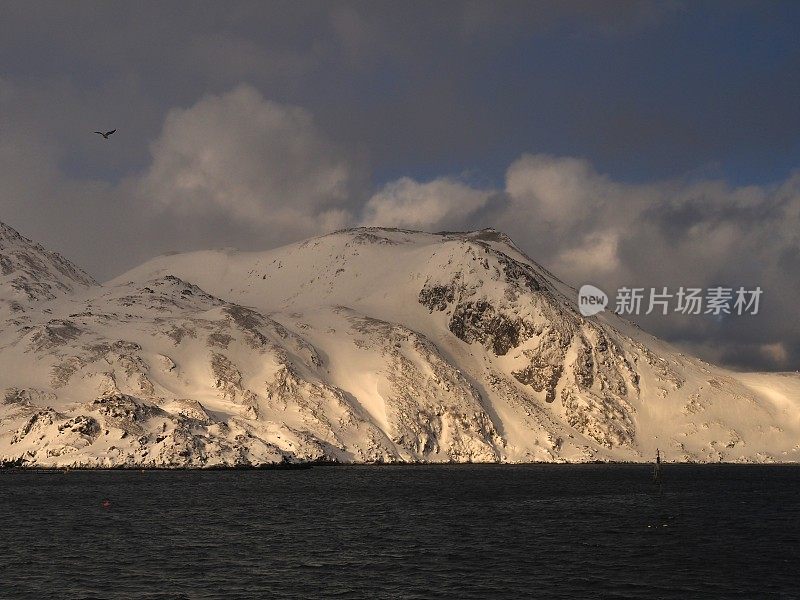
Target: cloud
231, 169
557, 191
440, 203
589, 228
596, 255
260, 164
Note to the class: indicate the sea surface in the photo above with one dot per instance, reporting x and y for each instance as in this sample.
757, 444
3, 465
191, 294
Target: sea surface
535, 531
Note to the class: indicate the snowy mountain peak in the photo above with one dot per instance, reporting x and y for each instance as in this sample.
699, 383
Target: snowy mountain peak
29, 273
487, 234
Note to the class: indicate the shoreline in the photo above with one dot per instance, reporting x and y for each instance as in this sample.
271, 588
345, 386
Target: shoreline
310, 465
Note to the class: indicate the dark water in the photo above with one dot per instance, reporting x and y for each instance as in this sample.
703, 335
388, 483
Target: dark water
546, 531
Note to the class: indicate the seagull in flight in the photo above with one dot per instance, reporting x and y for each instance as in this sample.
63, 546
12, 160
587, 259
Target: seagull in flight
106, 134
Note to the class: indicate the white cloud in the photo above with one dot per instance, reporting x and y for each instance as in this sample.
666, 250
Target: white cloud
439, 203
595, 256
559, 191
257, 163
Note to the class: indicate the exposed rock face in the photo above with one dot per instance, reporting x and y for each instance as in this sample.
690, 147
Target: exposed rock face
479, 322
369, 345
592, 383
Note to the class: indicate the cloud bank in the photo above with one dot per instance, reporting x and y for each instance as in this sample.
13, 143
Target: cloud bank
589, 228
238, 169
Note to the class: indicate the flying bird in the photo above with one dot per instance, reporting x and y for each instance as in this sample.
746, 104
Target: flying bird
106, 134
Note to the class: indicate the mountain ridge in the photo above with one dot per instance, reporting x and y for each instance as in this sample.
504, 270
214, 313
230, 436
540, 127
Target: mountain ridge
364, 345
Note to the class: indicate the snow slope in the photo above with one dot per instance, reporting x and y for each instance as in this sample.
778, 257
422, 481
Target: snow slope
366, 345
29, 273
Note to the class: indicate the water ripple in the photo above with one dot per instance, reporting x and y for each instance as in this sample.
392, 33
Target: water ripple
461, 532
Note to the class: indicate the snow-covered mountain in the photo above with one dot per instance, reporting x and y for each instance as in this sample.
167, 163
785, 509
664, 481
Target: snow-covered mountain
366, 345
29, 273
